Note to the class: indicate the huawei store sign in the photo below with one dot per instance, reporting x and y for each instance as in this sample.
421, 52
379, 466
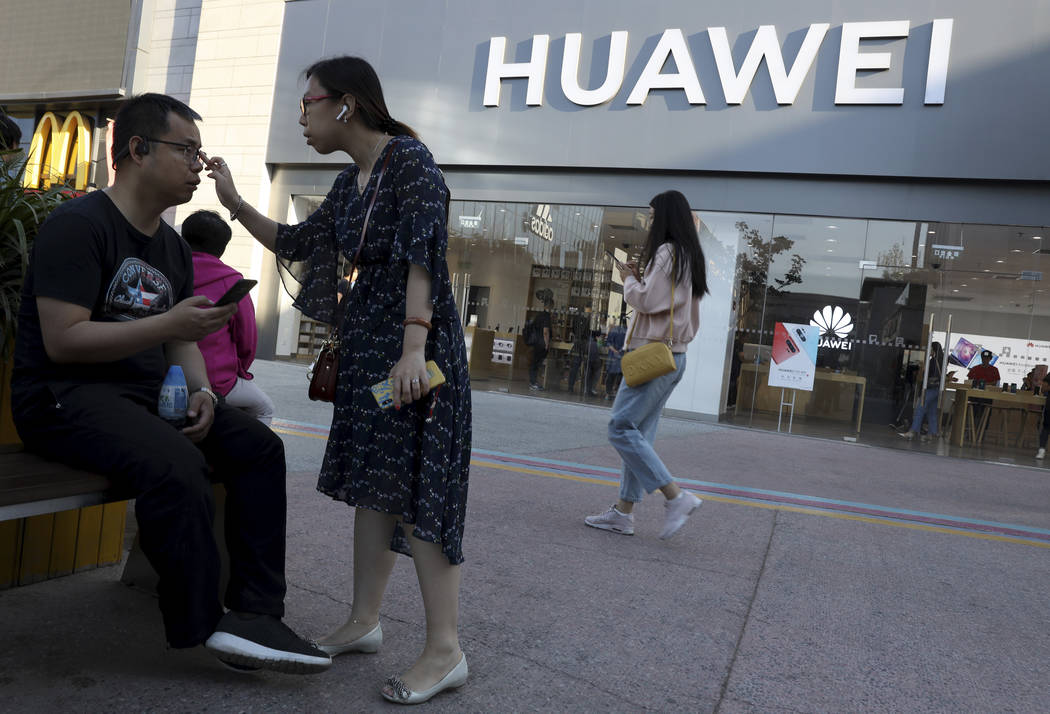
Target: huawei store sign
787, 81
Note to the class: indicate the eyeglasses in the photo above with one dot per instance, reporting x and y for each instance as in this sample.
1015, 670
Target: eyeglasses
190, 152
305, 101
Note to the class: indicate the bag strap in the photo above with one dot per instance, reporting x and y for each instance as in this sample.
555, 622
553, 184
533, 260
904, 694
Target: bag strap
364, 226
670, 330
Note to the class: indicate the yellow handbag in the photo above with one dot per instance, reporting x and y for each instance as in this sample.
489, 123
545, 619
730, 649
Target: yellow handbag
651, 360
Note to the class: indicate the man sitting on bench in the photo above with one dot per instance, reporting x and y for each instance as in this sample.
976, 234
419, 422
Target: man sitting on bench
106, 308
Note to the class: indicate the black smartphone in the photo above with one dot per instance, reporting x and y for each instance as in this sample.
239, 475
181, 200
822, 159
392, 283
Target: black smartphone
236, 293
619, 263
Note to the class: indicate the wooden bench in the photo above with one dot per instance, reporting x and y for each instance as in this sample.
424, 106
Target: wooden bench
56, 520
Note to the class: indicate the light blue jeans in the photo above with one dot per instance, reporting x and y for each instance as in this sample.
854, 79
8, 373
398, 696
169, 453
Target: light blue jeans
632, 429
928, 407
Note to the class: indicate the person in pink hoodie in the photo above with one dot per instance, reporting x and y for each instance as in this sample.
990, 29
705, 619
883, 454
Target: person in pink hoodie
229, 352
675, 275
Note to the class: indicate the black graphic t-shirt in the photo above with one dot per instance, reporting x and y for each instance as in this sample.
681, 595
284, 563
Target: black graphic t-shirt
88, 254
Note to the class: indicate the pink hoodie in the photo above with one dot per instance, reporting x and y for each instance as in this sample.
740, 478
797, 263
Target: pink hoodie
229, 352
651, 300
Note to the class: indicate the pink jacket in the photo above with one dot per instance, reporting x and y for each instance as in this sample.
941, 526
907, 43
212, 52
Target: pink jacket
651, 300
229, 352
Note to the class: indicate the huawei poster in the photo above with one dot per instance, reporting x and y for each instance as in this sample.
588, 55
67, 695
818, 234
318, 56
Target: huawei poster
793, 361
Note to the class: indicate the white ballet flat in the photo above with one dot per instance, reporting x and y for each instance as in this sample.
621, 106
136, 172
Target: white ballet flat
456, 677
368, 643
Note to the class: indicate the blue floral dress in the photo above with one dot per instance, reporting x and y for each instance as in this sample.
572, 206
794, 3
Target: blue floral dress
393, 461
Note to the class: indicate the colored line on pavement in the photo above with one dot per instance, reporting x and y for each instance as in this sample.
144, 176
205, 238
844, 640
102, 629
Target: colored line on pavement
744, 496
1034, 540
760, 494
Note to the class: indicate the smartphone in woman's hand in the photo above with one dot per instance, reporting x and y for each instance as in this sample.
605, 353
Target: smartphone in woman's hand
619, 263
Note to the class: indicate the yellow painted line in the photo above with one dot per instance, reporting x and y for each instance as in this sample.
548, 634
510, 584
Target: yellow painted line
539, 472
302, 433
752, 504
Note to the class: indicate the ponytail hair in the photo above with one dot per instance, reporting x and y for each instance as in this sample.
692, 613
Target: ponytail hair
356, 77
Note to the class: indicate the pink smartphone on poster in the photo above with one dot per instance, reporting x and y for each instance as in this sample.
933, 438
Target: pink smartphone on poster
784, 346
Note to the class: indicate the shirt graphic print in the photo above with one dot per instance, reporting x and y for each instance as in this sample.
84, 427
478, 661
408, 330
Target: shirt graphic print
137, 290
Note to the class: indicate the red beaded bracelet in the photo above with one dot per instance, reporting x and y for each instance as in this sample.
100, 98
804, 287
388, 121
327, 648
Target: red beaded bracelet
416, 321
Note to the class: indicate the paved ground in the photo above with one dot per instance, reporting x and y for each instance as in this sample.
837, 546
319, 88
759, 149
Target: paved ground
819, 576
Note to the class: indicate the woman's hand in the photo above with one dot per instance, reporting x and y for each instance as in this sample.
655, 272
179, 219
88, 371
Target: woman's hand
629, 269
219, 172
411, 382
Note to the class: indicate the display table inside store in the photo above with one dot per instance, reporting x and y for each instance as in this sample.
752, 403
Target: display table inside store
1026, 405
835, 396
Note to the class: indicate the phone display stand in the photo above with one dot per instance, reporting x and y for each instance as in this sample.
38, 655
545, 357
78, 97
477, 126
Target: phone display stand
784, 403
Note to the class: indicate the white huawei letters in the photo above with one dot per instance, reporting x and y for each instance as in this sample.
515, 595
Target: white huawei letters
765, 45
851, 59
570, 84
535, 70
672, 45
735, 83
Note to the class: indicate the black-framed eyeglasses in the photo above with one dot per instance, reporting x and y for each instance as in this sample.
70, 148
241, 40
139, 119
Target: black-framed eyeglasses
307, 101
190, 152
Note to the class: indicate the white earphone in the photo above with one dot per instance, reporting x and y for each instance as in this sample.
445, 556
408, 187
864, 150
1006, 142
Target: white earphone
342, 112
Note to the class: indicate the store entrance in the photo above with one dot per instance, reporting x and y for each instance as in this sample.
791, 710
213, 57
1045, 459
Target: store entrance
541, 299
986, 306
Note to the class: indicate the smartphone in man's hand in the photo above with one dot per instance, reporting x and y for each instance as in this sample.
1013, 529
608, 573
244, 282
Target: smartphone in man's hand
236, 293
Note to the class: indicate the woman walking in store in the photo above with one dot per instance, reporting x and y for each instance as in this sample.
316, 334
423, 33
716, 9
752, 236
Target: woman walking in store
403, 469
672, 256
928, 408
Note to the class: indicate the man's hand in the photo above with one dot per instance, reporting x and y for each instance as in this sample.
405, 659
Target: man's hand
195, 318
201, 415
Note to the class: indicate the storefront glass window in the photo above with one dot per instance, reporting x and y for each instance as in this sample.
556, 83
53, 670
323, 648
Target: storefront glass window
877, 292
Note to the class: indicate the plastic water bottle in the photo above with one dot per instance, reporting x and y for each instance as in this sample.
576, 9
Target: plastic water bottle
174, 397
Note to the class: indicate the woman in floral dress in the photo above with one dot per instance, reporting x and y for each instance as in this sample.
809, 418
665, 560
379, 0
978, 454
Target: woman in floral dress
404, 469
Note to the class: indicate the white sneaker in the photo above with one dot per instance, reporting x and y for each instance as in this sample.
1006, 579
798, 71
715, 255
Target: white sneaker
677, 512
1040, 454
909, 435
612, 520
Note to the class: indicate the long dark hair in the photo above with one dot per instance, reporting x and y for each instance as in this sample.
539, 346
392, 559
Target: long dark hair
673, 223
354, 76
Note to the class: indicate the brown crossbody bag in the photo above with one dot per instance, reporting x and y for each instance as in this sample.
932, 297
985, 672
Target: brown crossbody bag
324, 372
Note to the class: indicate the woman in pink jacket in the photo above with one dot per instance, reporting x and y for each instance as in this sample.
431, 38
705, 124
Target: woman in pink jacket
672, 253
229, 352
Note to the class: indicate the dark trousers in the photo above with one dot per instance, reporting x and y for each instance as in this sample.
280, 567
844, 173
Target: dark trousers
114, 431
592, 372
539, 353
1044, 433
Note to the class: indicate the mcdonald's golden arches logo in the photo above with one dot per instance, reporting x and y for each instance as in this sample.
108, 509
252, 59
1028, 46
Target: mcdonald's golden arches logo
59, 154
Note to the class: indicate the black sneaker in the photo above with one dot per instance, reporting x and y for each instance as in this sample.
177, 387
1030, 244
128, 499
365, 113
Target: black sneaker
264, 641
238, 668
